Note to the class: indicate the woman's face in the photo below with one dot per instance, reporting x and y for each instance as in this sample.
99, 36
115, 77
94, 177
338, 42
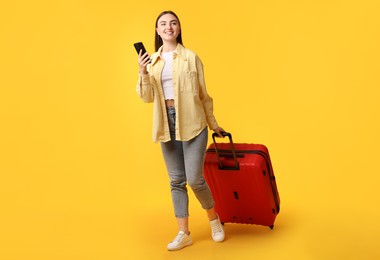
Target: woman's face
168, 28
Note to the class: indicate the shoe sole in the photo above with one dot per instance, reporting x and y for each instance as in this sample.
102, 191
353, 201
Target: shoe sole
218, 240
188, 243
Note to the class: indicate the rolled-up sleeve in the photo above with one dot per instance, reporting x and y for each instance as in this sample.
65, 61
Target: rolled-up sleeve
144, 88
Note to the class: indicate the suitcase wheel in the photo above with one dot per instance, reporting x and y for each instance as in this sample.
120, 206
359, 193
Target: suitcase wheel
271, 227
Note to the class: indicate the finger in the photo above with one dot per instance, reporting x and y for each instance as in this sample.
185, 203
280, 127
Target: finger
145, 55
217, 131
147, 58
146, 62
222, 131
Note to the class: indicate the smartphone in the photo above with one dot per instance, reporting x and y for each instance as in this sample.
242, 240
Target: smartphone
140, 46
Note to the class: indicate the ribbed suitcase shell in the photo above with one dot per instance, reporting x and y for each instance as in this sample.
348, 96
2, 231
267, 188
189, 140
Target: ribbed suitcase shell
246, 195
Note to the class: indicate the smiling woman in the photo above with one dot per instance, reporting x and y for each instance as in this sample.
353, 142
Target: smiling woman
172, 78
168, 28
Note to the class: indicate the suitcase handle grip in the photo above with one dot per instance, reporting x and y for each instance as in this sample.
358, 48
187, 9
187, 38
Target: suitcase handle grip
221, 166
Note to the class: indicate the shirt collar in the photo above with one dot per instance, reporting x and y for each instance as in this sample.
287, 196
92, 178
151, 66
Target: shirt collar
180, 51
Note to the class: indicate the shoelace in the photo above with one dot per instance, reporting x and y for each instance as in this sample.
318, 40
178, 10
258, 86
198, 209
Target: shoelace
215, 227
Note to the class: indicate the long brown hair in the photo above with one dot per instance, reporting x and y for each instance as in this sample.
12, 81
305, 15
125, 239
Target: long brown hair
157, 39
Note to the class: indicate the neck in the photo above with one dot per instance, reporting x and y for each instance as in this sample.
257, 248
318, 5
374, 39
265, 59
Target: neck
169, 46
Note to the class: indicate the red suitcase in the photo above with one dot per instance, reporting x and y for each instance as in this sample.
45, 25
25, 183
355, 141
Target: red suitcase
242, 182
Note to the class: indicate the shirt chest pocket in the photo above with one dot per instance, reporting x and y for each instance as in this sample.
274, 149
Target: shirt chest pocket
189, 82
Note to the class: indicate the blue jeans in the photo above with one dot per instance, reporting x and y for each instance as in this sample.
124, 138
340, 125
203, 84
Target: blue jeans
184, 163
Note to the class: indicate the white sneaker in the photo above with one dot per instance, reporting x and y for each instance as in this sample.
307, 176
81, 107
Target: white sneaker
217, 230
180, 241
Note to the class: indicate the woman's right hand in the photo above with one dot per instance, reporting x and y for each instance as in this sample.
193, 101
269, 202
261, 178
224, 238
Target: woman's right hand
144, 60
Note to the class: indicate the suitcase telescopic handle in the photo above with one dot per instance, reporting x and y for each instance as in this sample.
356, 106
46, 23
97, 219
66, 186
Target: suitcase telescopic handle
221, 166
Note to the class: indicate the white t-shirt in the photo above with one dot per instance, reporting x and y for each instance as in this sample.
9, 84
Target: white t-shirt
167, 75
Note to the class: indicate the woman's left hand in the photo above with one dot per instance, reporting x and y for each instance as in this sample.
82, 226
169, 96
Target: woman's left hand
219, 131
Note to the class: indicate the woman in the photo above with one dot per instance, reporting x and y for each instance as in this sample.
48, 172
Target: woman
172, 78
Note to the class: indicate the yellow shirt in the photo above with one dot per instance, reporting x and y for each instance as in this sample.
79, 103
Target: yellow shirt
193, 105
